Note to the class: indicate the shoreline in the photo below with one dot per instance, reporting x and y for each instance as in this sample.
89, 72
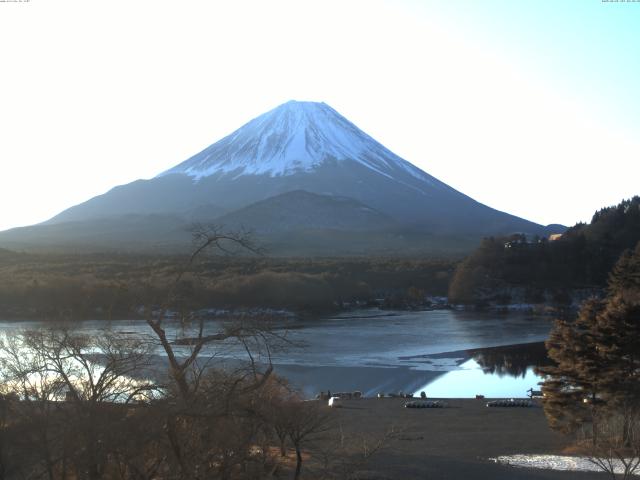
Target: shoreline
284, 313
411, 378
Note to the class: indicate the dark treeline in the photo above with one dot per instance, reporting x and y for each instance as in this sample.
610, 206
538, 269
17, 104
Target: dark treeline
113, 286
581, 258
513, 360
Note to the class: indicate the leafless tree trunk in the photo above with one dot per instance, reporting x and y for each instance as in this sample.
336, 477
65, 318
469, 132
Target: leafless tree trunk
305, 421
210, 415
77, 385
616, 450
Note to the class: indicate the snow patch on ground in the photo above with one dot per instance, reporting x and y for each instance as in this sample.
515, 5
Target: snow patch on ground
555, 462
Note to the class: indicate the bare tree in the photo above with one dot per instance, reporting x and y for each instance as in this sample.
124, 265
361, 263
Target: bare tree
306, 420
101, 418
184, 372
343, 455
80, 387
29, 392
614, 446
213, 419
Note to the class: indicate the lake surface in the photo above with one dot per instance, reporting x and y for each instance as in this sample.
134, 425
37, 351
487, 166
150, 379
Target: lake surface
445, 353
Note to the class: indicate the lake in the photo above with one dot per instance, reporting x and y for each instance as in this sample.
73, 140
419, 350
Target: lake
445, 353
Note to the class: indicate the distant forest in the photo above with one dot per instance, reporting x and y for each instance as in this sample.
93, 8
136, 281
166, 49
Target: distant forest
113, 286
580, 259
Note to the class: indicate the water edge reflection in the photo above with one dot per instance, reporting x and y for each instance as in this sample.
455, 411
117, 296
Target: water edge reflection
506, 371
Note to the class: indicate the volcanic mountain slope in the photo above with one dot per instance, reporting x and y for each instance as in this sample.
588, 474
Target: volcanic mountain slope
290, 212
352, 183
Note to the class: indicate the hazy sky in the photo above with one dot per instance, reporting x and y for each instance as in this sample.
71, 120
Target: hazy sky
531, 107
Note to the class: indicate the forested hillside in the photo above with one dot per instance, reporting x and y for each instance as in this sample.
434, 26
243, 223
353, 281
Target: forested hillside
580, 259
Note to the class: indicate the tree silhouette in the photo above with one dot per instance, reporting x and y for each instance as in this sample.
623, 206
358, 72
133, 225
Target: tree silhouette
596, 379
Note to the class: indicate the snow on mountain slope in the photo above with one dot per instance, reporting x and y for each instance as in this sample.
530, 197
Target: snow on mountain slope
296, 137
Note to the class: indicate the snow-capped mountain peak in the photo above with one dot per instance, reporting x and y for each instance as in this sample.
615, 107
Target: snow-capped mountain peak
302, 175
293, 138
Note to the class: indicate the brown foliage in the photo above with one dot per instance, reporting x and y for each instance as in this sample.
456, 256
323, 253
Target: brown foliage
52, 287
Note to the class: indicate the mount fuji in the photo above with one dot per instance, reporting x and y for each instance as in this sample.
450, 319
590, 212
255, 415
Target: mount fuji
294, 174
297, 137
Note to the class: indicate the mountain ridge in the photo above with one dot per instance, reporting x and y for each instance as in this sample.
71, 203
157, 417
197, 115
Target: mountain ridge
288, 212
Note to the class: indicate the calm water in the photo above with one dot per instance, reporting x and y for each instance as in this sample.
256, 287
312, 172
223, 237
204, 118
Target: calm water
445, 353
469, 380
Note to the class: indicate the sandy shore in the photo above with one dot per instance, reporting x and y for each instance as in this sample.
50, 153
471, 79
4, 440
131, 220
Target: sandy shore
455, 442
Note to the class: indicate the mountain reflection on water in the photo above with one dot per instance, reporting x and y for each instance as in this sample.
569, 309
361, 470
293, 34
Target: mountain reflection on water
505, 371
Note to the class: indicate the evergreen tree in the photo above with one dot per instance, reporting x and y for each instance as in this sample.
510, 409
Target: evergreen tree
597, 356
571, 385
625, 276
619, 326
619, 350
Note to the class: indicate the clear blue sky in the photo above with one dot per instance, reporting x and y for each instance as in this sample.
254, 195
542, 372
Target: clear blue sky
532, 107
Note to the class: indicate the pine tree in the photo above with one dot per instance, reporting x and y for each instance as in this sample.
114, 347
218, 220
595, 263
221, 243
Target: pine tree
597, 356
624, 279
619, 348
571, 385
619, 333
